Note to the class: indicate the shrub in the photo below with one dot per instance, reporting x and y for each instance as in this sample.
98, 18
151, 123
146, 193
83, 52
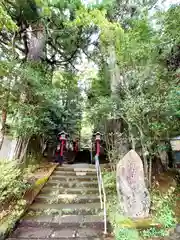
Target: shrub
126, 234
109, 179
163, 212
163, 206
12, 184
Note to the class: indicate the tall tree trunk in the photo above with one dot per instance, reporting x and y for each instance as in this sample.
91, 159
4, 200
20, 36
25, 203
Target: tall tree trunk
18, 148
150, 172
133, 142
144, 152
114, 70
24, 147
36, 42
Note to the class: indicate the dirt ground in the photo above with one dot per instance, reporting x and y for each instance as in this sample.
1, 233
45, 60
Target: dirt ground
168, 179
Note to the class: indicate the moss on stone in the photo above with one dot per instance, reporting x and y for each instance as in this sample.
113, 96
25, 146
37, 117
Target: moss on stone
40, 181
138, 223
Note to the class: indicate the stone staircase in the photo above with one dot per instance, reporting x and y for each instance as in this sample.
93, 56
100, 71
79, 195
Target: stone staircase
68, 207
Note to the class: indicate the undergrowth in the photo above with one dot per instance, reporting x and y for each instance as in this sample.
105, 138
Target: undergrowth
12, 183
163, 212
12, 188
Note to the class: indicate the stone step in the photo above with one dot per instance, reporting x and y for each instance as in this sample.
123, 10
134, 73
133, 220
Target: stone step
60, 238
75, 169
71, 209
66, 221
72, 184
73, 173
72, 178
50, 233
98, 237
59, 190
66, 168
89, 170
66, 198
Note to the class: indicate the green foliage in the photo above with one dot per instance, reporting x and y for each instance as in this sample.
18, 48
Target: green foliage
127, 234
6, 21
100, 86
36, 105
39, 98
154, 232
64, 43
109, 179
31, 168
125, 11
17, 212
163, 206
144, 92
12, 184
171, 29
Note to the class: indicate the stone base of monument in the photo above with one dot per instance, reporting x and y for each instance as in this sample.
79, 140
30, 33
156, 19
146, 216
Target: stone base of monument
139, 223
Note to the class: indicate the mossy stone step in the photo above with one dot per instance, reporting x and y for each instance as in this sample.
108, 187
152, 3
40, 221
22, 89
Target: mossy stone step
60, 190
67, 198
56, 221
72, 184
72, 178
70, 209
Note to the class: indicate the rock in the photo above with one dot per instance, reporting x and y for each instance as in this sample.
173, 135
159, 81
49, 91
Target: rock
175, 234
177, 229
133, 194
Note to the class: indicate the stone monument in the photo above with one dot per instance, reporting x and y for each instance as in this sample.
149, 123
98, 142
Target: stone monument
133, 194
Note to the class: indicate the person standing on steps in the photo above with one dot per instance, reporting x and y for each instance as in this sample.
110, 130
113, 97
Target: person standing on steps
62, 138
97, 136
